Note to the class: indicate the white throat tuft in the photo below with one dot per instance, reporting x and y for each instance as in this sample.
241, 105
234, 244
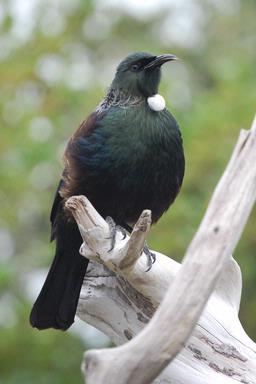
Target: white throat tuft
156, 102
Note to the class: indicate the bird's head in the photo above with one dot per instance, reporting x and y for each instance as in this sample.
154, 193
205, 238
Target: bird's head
139, 73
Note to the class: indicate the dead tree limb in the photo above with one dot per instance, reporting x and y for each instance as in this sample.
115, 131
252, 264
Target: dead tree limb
218, 349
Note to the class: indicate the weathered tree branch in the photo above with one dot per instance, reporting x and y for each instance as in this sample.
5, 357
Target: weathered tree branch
219, 350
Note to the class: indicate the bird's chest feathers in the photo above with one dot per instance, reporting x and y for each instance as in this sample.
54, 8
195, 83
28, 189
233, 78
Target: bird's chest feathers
143, 132
143, 146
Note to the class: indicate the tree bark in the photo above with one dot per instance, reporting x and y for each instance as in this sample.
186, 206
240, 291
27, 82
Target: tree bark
181, 320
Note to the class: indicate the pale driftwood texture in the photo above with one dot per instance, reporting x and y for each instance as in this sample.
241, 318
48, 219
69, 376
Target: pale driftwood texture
121, 302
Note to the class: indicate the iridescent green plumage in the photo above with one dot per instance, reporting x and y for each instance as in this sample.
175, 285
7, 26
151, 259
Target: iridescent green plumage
125, 158
135, 161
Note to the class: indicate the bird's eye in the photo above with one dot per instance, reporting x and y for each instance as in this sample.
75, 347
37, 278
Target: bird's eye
135, 67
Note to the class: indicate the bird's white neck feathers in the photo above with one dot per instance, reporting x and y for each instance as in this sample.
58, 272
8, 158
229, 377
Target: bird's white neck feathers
156, 102
117, 98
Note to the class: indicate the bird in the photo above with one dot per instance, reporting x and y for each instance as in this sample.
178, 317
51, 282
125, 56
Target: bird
127, 156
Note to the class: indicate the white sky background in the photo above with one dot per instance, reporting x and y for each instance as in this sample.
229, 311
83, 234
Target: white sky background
185, 14
182, 25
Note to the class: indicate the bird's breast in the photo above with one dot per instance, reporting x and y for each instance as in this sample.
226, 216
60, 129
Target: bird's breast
145, 159
131, 160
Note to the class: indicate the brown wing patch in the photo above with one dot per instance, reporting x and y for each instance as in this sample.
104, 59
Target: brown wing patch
86, 126
72, 174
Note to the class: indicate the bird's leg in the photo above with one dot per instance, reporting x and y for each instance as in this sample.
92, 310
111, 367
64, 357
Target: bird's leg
113, 228
150, 256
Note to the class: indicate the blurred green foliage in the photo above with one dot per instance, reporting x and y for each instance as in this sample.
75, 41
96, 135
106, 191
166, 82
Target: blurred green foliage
56, 60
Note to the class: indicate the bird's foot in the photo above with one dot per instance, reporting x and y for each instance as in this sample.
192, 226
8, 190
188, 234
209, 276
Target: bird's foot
113, 228
150, 256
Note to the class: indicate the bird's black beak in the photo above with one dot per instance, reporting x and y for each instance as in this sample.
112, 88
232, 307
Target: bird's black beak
157, 61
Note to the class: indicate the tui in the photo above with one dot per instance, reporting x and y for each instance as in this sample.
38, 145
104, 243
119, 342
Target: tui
126, 157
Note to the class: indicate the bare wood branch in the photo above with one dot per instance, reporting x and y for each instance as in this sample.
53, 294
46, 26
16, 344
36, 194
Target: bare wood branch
134, 246
218, 351
173, 322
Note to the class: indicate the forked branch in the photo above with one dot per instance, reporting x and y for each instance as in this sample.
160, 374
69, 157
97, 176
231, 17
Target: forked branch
147, 354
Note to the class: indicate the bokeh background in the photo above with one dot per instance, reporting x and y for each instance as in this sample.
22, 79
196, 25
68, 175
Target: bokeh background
56, 60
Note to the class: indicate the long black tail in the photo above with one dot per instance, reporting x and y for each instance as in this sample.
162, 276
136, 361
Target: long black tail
56, 304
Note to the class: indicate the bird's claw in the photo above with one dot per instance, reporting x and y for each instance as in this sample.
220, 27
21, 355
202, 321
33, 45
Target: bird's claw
151, 257
113, 228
